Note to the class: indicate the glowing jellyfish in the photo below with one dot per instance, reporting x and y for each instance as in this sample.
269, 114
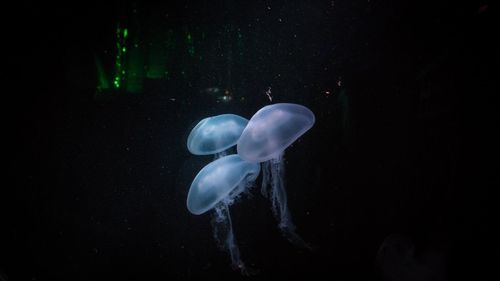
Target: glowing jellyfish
214, 135
268, 133
216, 187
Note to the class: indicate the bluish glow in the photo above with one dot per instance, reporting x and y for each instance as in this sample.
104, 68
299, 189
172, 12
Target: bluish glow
268, 133
222, 179
272, 129
216, 187
262, 139
215, 134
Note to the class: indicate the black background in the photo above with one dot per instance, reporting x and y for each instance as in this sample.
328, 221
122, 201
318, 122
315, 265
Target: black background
96, 190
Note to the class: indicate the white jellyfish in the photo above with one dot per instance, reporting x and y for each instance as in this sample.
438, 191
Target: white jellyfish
268, 133
216, 187
214, 135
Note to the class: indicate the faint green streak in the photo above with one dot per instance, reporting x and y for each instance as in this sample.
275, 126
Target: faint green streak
160, 54
135, 70
102, 79
190, 44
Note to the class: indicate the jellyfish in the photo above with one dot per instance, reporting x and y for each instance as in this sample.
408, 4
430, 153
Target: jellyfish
216, 187
214, 135
268, 133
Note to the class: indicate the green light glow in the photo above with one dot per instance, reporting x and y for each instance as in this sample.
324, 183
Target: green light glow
135, 68
129, 64
161, 51
120, 60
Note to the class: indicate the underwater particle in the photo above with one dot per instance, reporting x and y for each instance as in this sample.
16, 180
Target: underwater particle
268, 94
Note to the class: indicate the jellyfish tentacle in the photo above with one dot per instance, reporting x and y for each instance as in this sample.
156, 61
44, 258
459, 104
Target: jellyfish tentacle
268, 133
217, 186
279, 198
279, 203
266, 179
278, 193
233, 249
224, 236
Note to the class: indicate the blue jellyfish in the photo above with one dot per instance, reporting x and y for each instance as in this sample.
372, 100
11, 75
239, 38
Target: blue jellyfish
268, 133
216, 187
214, 135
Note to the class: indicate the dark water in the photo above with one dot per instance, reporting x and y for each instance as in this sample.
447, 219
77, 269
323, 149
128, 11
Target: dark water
392, 182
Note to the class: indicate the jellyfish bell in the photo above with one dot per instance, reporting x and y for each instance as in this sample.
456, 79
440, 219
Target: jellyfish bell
272, 129
215, 134
215, 187
221, 180
268, 133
